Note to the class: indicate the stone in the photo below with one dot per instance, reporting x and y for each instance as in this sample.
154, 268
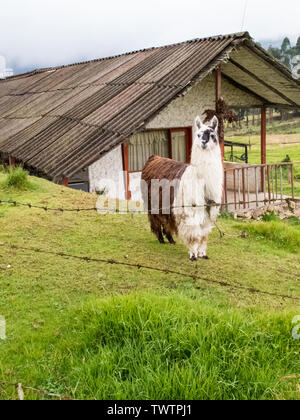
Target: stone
248, 215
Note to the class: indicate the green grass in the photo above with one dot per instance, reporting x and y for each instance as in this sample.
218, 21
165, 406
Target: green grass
92, 330
283, 234
16, 179
291, 126
286, 144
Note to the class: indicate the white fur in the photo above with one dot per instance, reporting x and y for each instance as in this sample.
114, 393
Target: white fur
202, 181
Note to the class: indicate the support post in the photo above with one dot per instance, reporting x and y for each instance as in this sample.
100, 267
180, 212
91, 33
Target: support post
126, 169
218, 97
263, 144
11, 161
65, 182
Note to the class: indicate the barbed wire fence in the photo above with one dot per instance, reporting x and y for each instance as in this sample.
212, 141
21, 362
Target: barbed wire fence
100, 211
18, 386
164, 210
148, 267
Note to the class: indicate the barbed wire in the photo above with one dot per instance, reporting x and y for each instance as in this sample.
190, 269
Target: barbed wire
274, 201
21, 387
148, 267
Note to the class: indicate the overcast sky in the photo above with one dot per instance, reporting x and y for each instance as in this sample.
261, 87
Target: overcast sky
37, 33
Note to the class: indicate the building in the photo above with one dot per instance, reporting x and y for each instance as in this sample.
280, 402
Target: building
83, 123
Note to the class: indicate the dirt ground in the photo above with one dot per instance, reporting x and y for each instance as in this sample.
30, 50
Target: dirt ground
284, 139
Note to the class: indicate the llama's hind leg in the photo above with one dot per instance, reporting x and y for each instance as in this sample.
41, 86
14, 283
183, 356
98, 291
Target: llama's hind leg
169, 236
155, 225
202, 247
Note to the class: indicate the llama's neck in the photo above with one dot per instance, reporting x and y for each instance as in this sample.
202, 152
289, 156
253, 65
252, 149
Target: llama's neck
206, 160
208, 166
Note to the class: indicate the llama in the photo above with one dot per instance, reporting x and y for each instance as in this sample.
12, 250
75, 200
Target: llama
182, 201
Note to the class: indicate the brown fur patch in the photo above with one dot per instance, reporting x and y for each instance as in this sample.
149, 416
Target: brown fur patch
162, 168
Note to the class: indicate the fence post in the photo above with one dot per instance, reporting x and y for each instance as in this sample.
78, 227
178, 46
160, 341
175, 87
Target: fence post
292, 181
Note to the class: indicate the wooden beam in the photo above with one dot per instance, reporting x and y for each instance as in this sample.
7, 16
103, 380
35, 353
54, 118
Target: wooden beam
246, 90
262, 82
218, 84
65, 182
278, 67
126, 169
263, 142
11, 161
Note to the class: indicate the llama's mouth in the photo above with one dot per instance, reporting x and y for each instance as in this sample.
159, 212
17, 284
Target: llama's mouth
204, 146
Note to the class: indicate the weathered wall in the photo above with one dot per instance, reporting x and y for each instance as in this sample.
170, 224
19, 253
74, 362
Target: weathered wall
183, 110
107, 172
134, 182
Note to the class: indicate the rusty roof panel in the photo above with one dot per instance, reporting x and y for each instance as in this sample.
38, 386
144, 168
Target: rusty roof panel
33, 128
10, 128
48, 136
86, 109
116, 104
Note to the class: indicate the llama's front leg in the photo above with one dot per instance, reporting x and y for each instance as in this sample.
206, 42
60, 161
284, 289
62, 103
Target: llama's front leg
202, 247
193, 251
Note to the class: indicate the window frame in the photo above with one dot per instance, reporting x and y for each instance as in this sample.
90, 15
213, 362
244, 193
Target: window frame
188, 139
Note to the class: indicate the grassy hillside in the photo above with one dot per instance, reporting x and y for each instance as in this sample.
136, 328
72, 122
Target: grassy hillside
94, 330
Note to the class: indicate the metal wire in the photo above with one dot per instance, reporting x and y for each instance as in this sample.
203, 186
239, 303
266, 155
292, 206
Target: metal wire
148, 267
131, 211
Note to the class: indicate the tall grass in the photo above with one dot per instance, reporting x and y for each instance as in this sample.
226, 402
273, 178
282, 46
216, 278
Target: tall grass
17, 178
284, 235
174, 347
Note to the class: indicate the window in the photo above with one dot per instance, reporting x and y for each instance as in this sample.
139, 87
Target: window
179, 145
174, 143
143, 145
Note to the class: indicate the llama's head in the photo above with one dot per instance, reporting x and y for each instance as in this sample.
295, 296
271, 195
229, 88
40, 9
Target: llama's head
206, 136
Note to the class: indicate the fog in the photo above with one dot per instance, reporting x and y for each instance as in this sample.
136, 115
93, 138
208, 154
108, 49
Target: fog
47, 33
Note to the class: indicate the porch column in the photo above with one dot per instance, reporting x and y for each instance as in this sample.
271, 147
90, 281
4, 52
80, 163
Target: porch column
218, 97
263, 144
65, 182
263, 141
11, 161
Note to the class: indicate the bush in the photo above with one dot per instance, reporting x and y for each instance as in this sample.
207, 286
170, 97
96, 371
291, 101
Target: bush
227, 215
270, 216
3, 169
17, 178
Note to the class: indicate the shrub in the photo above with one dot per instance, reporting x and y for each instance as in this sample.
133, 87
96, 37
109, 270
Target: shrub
270, 216
17, 178
3, 169
226, 215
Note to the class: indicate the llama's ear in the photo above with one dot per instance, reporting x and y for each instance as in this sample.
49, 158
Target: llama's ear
198, 122
214, 123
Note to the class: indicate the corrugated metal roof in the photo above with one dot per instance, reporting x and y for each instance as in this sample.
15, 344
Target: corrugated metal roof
62, 119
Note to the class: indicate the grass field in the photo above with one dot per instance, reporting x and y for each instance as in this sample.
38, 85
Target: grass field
283, 139
100, 331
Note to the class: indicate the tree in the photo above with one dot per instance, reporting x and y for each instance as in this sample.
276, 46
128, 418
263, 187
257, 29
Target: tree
286, 52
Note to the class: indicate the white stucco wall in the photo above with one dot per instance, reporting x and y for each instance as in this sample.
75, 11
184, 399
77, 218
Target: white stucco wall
107, 173
183, 110
134, 183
